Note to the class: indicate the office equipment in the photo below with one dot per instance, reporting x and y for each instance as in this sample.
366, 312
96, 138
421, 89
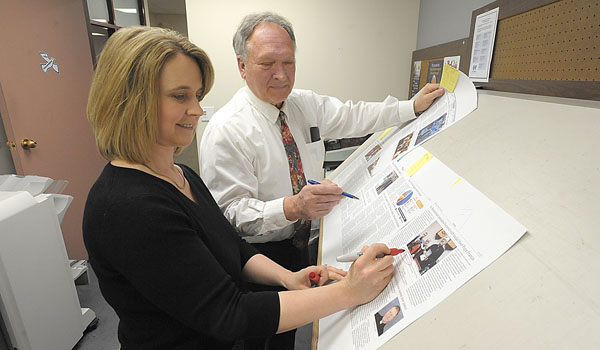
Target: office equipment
336, 150
38, 300
30, 183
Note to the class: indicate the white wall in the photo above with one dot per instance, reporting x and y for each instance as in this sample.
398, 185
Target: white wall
359, 50
175, 22
442, 21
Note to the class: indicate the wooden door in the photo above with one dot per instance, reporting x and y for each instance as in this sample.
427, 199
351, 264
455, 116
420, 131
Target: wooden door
45, 76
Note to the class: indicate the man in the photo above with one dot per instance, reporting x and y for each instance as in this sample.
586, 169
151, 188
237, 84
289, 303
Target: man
384, 322
432, 254
258, 151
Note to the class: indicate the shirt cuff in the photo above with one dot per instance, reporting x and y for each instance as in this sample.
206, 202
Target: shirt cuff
407, 110
274, 217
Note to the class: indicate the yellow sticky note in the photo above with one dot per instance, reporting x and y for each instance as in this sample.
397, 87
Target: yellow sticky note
449, 77
419, 164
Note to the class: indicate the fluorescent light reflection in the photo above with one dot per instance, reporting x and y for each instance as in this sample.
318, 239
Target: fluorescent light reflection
126, 10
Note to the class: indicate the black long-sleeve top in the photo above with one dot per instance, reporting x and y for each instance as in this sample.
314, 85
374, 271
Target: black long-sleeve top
170, 267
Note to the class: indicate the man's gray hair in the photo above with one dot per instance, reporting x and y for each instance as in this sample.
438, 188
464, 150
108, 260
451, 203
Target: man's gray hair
246, 27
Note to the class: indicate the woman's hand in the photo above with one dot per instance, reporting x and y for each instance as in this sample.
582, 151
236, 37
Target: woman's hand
301, 280
368, 276
365, 280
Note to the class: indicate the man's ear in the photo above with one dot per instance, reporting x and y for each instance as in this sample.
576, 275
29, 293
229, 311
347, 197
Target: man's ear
241, 67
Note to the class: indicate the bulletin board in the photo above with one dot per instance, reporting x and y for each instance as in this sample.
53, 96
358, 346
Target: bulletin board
425, 57
545, 47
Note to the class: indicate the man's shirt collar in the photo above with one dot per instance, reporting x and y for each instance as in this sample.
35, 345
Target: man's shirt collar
266, 109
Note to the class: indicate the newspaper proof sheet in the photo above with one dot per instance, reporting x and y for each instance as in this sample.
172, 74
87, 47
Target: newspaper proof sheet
448, 229
443, 113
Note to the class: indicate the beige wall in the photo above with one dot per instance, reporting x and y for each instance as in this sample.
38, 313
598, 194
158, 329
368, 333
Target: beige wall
359, 50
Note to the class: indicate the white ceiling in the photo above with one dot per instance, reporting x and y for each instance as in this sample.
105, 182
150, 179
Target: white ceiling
169, 7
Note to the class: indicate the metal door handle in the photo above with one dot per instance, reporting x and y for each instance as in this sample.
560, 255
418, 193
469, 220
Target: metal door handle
28, 144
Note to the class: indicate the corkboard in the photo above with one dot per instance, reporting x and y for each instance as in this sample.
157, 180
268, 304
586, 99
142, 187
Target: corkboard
436, 53
545, 47
559, 41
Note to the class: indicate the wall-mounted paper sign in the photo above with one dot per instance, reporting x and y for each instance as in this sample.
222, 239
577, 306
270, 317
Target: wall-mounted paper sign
483, 45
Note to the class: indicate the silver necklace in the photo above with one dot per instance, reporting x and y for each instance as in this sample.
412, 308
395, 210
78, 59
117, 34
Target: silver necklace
179, 171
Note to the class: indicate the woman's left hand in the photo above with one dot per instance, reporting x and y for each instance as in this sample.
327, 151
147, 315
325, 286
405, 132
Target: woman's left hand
301, 280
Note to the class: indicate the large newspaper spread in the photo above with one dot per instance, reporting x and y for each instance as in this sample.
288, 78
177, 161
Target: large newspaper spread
409, 199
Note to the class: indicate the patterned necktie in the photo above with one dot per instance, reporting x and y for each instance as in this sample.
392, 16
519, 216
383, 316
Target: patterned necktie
302, 226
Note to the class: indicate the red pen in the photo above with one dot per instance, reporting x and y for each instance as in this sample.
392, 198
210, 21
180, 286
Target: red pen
314, 279
353, 256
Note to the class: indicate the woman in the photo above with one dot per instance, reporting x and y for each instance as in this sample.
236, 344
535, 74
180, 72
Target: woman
167, 260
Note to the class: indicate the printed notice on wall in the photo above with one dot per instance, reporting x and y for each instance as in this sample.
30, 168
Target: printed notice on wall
483, 45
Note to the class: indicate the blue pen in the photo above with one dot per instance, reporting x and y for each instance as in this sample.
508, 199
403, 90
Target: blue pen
313, 182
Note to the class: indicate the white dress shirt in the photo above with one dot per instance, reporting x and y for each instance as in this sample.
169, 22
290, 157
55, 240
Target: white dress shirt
244, 164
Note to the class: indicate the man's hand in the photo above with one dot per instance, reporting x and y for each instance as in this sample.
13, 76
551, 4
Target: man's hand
313, 201
426, 96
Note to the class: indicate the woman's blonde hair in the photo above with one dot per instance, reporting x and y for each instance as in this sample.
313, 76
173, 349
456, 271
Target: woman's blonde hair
123, 102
